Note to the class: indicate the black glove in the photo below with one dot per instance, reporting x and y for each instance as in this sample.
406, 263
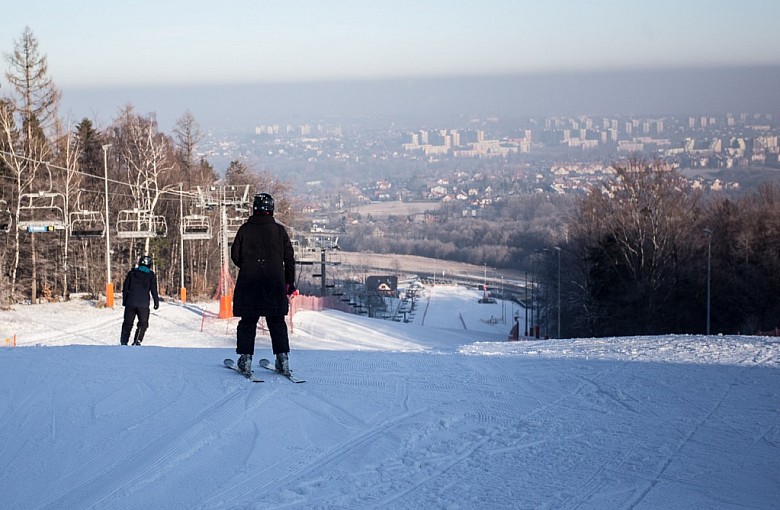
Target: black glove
291, 290
156, 306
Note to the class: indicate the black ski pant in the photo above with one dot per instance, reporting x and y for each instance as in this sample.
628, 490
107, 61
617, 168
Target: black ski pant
246, 331
131, 312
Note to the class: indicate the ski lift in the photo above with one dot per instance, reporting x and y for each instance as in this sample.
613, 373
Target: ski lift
42, 212
160, 225
328, 242
140, 224
236, 195
87, 224
5, 217
306, 254
296, 245
206, 198
232, 224
196, 226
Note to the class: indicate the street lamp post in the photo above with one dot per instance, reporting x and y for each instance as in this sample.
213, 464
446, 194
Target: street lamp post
533, 296
546, 271
558, 249
109, 282
708, 232
182, 288
525, 309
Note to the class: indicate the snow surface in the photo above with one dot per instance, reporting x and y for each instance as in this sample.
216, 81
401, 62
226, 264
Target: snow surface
442, 412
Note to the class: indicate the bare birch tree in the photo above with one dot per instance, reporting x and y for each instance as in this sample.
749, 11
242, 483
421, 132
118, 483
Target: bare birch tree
633, 237
69, 153
147, 156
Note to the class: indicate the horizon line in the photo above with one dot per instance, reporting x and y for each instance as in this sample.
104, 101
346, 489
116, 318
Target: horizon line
551, 73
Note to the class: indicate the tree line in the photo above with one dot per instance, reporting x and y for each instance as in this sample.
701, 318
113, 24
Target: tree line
504, 235
52, 172
639, 253
635, 254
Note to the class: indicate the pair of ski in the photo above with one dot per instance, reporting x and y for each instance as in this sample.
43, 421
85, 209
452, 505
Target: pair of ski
229, 363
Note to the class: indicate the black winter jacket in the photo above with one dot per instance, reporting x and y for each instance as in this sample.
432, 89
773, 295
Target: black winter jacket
137, 286
264, 255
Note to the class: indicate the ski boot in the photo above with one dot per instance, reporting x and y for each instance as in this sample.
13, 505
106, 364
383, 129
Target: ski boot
139, 337
125, 337
245, 364
282, 363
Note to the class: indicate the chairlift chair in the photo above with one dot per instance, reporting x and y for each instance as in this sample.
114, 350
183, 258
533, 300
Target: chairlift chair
42, 212
5, 217
236, 195
196, 226
87, 224
296, 245
140, 224
329, 243
232, 224
206, 198
160, 225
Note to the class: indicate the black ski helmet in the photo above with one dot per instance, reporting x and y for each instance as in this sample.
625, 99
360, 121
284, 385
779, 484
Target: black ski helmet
146, 261
263, 204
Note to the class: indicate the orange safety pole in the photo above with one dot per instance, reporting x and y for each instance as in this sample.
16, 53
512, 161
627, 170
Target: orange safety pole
110, 294
225, 307
183, 294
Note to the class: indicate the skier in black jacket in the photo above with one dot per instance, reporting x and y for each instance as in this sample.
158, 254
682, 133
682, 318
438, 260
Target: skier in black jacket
264, 255
139, 283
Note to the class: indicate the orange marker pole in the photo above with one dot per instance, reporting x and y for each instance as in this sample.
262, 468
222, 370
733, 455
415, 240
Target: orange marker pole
225, 307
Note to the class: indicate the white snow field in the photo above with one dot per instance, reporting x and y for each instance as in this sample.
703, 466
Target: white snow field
439, 413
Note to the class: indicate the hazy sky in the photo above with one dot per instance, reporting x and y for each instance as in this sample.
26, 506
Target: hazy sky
174, 42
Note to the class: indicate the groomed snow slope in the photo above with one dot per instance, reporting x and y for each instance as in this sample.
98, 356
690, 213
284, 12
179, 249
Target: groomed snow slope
440, 413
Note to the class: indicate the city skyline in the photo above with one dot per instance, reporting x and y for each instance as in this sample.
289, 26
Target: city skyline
434, 100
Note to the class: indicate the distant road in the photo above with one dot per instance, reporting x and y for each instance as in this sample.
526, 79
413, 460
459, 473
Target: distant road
426, 267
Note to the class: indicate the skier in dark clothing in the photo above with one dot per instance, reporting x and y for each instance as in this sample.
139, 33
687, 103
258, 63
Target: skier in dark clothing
139, 283
266, 278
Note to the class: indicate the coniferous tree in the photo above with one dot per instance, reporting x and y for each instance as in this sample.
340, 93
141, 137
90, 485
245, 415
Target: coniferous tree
187, 135
91, 157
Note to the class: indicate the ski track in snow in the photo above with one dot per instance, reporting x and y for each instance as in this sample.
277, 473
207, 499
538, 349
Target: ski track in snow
395, 416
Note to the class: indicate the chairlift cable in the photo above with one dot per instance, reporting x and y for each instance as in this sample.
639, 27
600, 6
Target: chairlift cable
176, 192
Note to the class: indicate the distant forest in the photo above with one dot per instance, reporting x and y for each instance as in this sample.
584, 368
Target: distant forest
504, 235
